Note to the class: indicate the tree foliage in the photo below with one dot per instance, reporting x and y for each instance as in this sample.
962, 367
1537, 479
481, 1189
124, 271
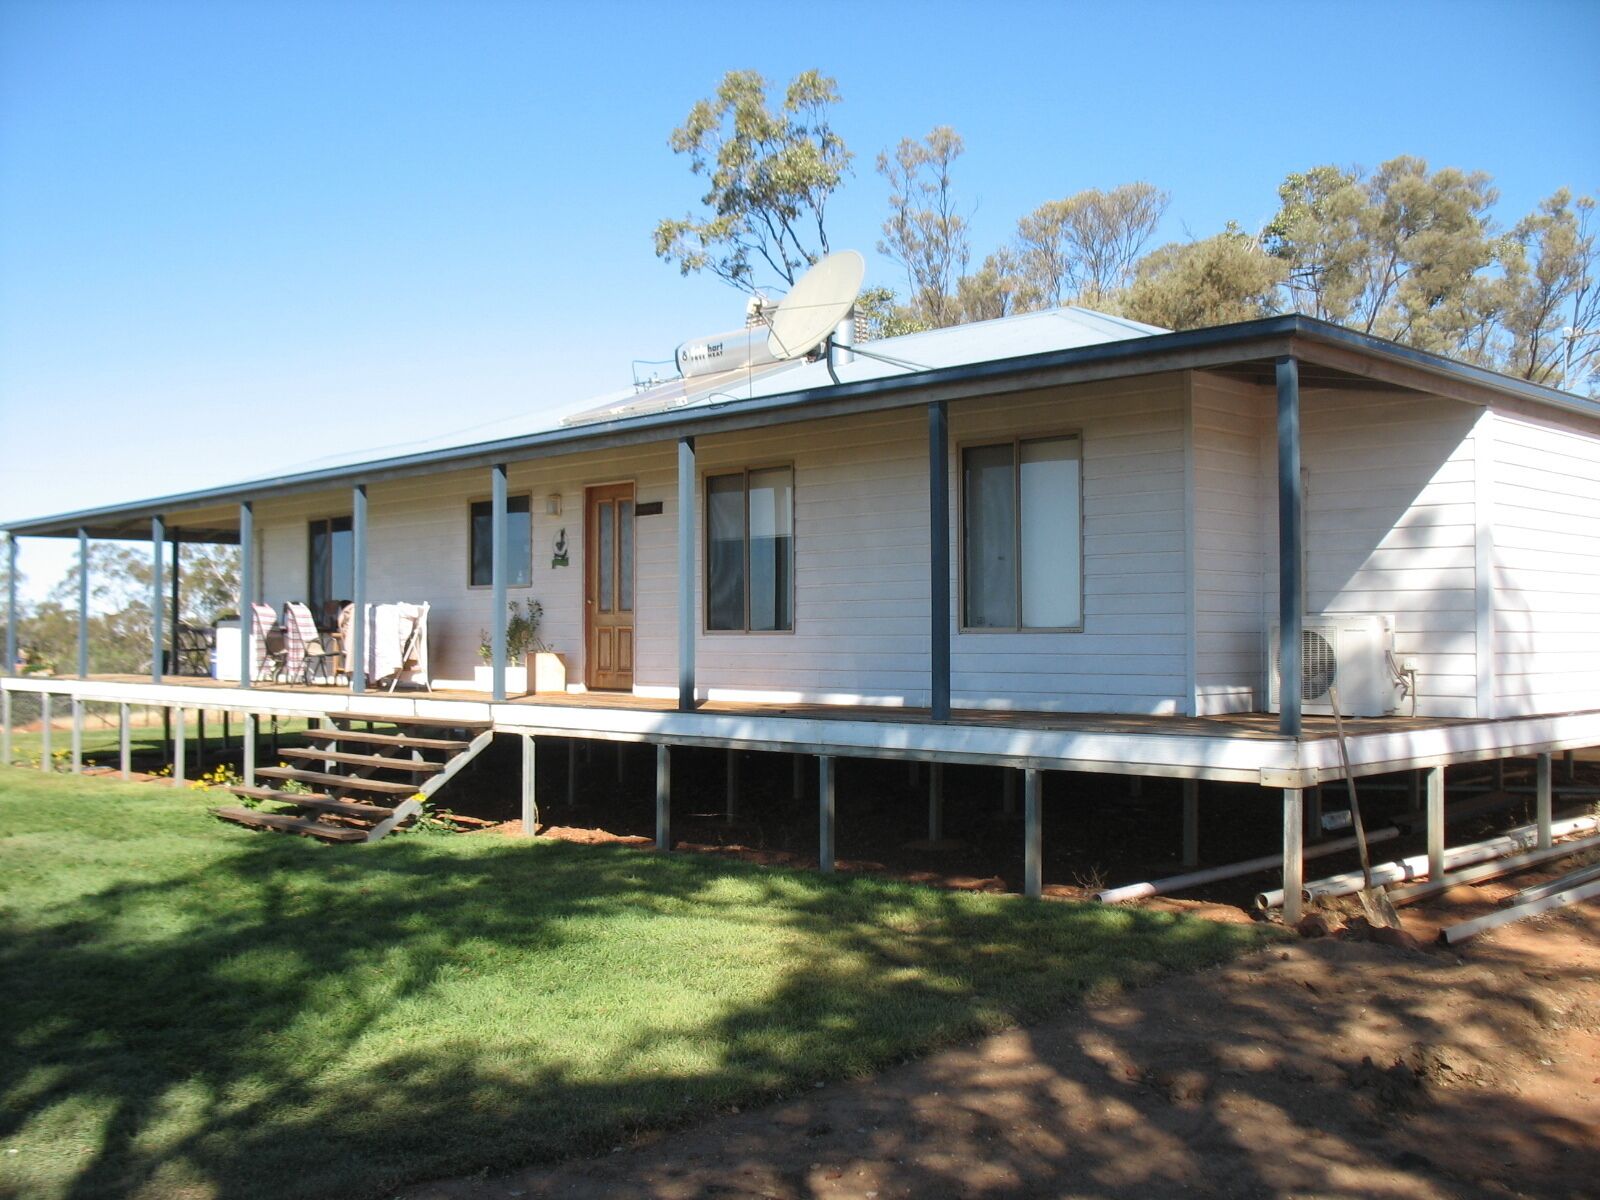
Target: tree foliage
1083, 249
994, 289
885, 316
1215, 281
925, 232
1415, 256
120, 582
770, 176
1405, 251
1551, 311
1397, 254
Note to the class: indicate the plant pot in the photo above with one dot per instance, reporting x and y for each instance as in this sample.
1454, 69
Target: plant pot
516, 680
549, 672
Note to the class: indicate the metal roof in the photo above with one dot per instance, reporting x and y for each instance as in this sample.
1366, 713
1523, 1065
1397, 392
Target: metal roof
1032, 350
975, 342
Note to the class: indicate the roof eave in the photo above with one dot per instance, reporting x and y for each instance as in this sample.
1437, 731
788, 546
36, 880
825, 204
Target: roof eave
1218, 346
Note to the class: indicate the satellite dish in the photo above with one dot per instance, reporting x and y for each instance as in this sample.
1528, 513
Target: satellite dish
816, 304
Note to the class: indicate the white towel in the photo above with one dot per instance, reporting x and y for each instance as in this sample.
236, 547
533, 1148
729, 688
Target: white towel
388, 627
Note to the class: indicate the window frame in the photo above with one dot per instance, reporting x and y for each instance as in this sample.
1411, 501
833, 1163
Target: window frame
707, 474
1015, 441
327, 520
489, 500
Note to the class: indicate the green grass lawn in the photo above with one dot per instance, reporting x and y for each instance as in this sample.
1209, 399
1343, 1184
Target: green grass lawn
193, 1009
102, 745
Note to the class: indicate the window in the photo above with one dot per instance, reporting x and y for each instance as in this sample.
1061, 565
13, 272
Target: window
1021, 545
331, 575
519, 542
750, 550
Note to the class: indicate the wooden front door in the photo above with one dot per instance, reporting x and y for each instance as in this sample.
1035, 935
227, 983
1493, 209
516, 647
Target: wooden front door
608, 585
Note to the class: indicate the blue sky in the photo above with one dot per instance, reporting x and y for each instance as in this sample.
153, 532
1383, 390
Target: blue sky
236, 237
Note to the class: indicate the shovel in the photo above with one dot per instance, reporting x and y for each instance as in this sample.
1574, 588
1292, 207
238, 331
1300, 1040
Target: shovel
1375, 901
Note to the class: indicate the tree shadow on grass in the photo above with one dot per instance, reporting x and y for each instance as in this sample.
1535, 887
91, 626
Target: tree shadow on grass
294, 1020
1324, 1068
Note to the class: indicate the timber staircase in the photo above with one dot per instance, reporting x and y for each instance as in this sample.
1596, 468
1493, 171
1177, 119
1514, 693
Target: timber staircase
359, 785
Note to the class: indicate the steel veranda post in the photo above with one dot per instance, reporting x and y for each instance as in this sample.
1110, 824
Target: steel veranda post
358, 589
1434, 820
1032, 833
177, 611
1543, 800
83, 603
1291, 587
939, 559
497, 578
124, 740
1293, 854
686, 574
11, 604
530, 794
247, 593
663, 795
158, 533
826, 811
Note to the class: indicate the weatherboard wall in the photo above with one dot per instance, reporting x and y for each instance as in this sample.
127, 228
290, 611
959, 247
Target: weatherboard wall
1410, 503
1390, 527
1228, 422
861, 570
1544, 560
1131, 655
861, 562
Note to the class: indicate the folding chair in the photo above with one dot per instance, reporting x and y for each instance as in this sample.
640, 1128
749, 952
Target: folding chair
274, 665
191, 650
302, 634
272, 662
319, 652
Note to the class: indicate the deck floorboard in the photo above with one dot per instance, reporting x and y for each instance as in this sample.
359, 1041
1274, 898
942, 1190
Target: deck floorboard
1250, 726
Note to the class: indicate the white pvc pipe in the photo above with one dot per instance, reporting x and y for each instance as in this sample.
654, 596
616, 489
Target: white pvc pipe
1540, 890
1467, 929
1416, 866
1267, 862
1492, 869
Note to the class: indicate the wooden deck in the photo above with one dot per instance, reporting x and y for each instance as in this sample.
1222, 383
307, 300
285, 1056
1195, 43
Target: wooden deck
1243, 748
1254, 726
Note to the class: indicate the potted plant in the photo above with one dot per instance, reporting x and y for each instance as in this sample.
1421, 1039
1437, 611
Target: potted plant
526, 653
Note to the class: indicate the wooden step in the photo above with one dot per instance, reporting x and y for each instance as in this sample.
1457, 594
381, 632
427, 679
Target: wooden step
261, 793
306, 825
404, 741
379, 761
353, 809
414, 722
356, 810
352, 783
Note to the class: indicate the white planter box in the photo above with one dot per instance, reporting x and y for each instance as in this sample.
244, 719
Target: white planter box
516, 680
549, 672
549, 675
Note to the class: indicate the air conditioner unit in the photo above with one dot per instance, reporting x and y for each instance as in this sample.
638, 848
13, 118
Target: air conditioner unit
1352, 652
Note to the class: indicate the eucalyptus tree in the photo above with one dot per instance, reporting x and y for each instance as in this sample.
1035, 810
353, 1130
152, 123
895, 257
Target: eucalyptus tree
1215, 281
1551, 313
770, 173
925, 232
1403, 253
1083, 249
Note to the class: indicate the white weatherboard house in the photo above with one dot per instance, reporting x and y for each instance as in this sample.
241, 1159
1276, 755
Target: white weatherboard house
1058, 541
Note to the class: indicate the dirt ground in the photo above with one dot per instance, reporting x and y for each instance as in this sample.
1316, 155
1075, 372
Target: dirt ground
1333, 1067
